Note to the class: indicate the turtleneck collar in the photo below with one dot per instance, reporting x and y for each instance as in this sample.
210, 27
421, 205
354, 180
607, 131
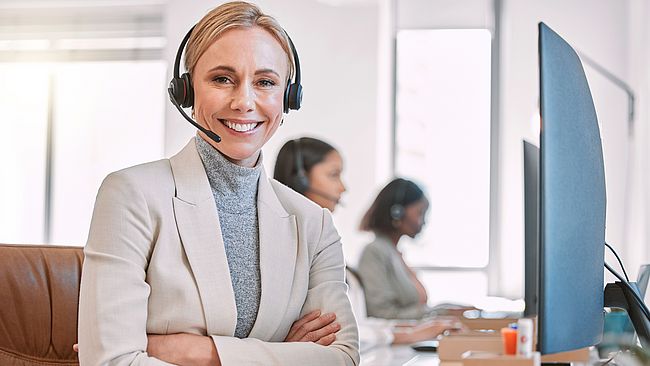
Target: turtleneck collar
234, 187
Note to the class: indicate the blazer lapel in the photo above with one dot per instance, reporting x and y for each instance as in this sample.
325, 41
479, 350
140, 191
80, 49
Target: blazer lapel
200, 232
278, 250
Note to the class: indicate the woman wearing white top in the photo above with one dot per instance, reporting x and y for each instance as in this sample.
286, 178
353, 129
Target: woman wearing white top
313, 168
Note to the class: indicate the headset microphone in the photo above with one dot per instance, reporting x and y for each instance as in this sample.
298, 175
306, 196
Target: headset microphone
216, 138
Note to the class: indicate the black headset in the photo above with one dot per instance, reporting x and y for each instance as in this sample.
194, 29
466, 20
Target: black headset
300, 182
397, 209
181, 92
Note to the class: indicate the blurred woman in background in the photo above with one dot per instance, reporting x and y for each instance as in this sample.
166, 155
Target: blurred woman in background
393, 291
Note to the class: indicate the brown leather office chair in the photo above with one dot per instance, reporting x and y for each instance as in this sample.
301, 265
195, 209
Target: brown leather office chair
39, 296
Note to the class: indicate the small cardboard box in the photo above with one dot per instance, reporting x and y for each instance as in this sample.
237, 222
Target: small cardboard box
452, 347
472, 358
480, 323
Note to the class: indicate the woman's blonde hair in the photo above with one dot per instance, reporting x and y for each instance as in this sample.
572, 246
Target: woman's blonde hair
236, 14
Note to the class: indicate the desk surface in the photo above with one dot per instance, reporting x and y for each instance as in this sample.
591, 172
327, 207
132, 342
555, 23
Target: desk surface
398, 356
406, 356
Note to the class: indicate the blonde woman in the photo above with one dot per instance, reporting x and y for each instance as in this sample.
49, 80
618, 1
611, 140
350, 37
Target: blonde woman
201, 259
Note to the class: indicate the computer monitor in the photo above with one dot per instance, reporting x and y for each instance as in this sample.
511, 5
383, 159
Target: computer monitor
531, 232
572, 203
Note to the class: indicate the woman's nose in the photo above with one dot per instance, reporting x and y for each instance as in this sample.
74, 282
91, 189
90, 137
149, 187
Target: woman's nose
243, 99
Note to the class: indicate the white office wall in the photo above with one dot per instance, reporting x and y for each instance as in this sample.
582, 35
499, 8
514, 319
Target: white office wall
637, 231
598, 29
337, 43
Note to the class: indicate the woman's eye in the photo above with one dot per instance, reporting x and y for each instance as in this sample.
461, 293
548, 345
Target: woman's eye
265, 83
221, 80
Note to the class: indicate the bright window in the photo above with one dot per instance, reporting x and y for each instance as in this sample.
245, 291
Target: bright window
82, 95
443, 143
23, 135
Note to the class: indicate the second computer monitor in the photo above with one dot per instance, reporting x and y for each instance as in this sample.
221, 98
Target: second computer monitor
531, 227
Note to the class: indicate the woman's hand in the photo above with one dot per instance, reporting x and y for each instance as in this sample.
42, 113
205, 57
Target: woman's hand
431, 329
183, 349
424, 331
314, 327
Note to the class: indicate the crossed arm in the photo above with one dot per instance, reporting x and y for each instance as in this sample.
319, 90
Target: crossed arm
191, 349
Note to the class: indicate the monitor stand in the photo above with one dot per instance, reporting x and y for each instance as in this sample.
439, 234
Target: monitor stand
620, 296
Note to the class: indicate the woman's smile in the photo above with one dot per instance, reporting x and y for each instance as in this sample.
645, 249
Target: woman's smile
241, 126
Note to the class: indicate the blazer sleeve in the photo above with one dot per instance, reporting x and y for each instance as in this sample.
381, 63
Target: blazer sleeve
383, 301
113, 295
327, 292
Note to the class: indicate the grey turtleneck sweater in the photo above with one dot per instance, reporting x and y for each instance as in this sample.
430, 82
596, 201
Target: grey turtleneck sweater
235, 191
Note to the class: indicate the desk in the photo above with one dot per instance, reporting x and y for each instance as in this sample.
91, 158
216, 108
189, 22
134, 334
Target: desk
398, 356
404, 355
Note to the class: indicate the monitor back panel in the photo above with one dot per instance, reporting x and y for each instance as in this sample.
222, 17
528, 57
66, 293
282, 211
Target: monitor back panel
572, 202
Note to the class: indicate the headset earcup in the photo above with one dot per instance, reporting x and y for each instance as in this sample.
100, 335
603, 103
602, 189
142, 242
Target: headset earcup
285, 103
295, 96
176, 90
301, 183
182, 90
397, 211
188, 100
292, 97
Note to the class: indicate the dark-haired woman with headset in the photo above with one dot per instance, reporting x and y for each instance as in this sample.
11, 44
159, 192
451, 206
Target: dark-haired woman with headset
201, 259
313, 167
393, 291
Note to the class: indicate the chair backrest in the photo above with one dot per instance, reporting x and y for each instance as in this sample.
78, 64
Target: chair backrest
39, 297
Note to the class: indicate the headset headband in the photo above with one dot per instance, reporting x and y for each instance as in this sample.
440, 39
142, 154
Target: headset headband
179, 53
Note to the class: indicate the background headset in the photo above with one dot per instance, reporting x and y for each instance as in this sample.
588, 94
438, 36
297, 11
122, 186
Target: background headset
181, 92
397, 210
300, 180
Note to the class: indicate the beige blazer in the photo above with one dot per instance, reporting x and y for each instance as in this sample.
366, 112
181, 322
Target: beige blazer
155, 264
